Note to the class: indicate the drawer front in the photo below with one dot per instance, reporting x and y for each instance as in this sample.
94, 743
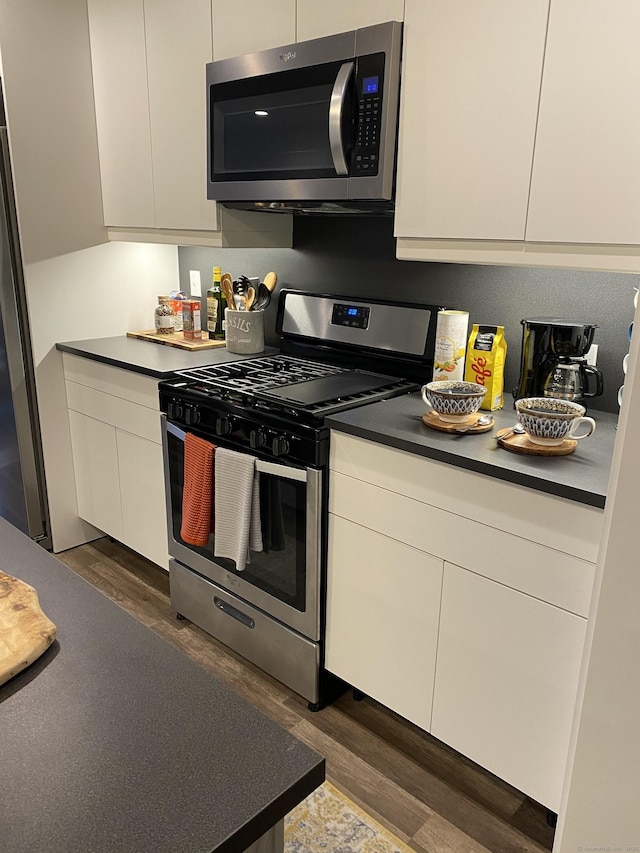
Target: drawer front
112, 380
558, 523
521, 564
383, 606
113, 410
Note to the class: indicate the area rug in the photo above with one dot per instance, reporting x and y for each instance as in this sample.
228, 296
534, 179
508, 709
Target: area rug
328, 822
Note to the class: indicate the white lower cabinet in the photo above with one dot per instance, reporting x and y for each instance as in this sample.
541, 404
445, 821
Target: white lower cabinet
382, 618
506, 681
95, 463
460, 602
114, 421
142, 496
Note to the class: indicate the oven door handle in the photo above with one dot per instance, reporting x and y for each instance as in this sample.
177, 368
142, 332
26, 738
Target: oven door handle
336, 108
284, 471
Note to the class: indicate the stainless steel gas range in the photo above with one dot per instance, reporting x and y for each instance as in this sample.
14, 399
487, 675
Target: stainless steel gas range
245, 441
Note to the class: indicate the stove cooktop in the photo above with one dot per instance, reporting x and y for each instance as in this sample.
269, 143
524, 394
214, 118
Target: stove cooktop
289, 382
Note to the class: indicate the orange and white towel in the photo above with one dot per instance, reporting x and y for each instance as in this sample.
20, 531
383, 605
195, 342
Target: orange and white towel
237, 507
197, 494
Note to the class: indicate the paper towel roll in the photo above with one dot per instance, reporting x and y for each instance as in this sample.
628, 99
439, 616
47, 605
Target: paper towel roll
451, 343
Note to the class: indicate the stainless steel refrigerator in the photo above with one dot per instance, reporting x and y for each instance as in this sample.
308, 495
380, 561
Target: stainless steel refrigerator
23, 500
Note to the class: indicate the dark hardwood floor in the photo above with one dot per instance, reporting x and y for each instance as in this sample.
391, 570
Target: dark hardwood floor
434, 799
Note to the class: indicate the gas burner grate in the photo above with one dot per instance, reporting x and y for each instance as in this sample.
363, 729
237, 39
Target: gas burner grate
260, 374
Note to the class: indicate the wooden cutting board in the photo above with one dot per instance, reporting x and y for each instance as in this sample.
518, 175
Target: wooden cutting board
177, 339
25, 632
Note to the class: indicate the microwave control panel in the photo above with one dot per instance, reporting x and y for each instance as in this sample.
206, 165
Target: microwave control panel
369, 82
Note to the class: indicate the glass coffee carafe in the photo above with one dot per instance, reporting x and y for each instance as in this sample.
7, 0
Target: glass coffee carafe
572, 379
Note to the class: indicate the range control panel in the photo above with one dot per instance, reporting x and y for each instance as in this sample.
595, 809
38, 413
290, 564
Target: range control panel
356, 316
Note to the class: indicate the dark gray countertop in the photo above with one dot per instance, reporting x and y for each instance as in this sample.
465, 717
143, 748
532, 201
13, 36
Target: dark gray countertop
147, 357
583, 476
115, 741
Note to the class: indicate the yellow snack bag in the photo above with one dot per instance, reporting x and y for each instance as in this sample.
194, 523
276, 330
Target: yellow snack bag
486, 354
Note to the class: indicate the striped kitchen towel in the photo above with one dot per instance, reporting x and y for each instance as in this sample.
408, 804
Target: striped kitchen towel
237, 506
197, 494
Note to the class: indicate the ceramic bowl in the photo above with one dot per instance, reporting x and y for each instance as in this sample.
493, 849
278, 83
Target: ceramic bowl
548, 420
453, 400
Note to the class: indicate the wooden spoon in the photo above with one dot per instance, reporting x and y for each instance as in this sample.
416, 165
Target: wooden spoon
270, 281
250, 298
226, 286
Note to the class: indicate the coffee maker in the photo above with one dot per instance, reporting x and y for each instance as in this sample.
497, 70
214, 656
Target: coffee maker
553, 362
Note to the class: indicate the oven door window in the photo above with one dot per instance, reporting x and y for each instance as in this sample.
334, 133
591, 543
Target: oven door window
280, 568
276, 126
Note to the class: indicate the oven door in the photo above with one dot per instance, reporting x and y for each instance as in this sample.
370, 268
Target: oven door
283, 580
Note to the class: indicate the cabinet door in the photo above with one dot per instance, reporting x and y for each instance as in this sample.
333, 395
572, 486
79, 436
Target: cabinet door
95, 463
315, 20
262, 24
586, 171
118, 58
179, 44
383, 600
144, 520
506, 681
470, 89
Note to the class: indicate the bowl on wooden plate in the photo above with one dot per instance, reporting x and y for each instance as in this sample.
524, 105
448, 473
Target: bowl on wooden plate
549, 420
453, 400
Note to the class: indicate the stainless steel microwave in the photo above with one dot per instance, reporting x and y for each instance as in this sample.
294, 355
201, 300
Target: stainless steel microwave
308, 127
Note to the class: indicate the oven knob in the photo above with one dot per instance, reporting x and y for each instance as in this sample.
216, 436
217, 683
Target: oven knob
191, 415
257, 438
280, 445
174, 410
223, 426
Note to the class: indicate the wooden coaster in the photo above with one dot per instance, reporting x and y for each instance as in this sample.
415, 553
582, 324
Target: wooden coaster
432, 420
519, 443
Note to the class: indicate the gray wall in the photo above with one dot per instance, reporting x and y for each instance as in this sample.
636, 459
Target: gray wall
356, 257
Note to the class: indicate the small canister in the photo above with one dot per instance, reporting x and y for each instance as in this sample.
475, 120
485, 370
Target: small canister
165, 317
191, 323
245, 331
451, 344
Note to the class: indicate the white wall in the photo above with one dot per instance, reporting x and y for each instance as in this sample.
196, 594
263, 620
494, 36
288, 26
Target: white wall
98, 292
600, 809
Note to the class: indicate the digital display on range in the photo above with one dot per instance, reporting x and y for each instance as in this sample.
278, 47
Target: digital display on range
370, 85
356, 316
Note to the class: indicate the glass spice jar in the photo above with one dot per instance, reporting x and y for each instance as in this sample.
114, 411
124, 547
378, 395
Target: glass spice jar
165, 317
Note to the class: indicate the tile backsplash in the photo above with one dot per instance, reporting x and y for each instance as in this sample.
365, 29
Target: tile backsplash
356, 257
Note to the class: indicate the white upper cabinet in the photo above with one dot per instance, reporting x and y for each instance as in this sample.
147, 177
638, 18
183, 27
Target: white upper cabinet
586, 172
178, 45
149, 81
519, 136
256, 25
49, 105
470, 89
337, 16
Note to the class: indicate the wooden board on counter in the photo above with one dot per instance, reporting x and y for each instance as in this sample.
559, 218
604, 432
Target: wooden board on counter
177, 339
25, 632
518, 443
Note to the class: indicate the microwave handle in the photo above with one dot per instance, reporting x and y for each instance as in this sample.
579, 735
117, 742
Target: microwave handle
336, 108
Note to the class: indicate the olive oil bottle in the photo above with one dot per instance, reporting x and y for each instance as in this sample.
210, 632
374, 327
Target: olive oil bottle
216, 304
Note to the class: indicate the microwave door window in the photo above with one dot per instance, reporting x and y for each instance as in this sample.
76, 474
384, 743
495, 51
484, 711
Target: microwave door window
272, 135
